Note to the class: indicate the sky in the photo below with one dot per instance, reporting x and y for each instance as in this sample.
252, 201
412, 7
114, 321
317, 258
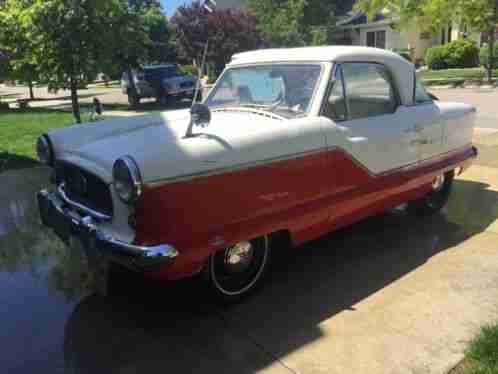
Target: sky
170, 5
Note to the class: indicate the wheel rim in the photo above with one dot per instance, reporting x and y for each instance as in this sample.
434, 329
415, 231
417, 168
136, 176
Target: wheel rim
438, 183
437, 197
237, 269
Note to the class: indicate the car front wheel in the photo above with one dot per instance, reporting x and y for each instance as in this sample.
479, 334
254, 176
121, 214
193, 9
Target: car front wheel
436, 199
238, 270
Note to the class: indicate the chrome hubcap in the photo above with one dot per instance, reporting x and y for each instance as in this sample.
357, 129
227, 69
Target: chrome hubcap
239, 257
438, 183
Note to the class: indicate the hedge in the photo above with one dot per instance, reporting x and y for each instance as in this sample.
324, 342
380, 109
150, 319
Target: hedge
484, 54
461, 53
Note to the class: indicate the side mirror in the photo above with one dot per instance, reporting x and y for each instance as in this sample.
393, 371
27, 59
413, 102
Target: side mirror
200, 115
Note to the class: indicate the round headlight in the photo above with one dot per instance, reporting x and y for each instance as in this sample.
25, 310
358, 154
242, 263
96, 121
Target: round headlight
127, 179
44, 150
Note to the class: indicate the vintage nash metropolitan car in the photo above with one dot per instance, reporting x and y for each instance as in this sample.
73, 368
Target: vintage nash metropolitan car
289, 144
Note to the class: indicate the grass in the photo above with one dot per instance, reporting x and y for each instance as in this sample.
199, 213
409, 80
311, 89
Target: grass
453, 76
481, 356
19, 131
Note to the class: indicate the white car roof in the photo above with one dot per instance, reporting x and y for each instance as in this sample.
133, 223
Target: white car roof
401, 69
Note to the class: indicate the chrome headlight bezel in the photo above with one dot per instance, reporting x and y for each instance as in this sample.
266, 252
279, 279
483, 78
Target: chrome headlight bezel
127, 179
44, 150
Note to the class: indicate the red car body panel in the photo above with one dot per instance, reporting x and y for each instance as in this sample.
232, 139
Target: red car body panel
307, 196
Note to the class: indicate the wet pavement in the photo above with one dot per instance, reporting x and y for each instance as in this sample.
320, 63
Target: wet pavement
392, 294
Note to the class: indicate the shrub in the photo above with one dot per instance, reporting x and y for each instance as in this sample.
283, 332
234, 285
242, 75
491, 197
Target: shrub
458, 54
435, 58
484, 53
188, 69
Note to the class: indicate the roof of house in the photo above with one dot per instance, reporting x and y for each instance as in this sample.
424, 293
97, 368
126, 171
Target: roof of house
401, 69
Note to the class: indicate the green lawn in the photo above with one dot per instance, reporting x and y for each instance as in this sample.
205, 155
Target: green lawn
19, 131
481, 356
449, 76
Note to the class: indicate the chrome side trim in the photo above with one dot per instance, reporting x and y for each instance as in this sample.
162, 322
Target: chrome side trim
243, 166
84, 209
228, 169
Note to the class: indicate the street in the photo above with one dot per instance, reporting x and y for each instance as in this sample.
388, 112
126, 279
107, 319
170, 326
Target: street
391, 294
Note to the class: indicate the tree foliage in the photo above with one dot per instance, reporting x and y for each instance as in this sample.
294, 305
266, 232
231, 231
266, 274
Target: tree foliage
479, 15
289, 23
228, 32
66, 43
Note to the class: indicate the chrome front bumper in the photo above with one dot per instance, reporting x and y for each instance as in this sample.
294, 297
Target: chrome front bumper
67, 223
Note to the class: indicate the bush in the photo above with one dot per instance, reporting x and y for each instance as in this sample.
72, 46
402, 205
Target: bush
484, 54
189, 70
458, 54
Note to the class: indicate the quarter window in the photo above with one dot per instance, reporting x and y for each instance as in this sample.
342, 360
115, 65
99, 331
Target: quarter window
369, 90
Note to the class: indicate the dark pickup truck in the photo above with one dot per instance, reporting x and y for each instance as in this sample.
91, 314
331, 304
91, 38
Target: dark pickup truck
159, 81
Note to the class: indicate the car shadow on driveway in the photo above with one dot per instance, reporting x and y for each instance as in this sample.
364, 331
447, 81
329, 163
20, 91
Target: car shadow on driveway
152, 326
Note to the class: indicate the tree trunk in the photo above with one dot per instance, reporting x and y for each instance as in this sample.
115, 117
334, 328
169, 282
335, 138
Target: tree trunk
31, 93
491, 45
74, 100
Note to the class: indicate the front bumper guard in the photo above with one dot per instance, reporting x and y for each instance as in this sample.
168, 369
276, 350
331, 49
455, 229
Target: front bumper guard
56, 215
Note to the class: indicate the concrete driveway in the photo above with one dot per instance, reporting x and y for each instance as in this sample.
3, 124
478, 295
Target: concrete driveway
392, 294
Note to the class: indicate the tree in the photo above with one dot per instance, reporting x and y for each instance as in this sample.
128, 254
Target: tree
292, 23
228, 31
160, 46
18, 47
68, 39
480, 15
71, 41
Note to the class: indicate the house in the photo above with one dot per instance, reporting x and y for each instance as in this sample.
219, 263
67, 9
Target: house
382, 32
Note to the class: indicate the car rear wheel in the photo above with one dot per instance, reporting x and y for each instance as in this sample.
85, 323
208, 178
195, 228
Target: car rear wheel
436, 199
238, 270
133, 100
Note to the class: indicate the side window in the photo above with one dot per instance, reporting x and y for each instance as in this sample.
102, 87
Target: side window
369, 90
335, 104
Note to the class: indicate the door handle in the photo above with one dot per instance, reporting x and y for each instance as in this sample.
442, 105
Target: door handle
420, 142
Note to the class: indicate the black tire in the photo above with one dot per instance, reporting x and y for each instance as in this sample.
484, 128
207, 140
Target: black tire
435, 200
163, 100
133, 100
231, 281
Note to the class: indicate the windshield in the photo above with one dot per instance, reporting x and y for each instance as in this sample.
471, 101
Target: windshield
286, 89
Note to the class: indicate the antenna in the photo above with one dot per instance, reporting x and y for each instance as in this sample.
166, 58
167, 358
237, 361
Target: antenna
199, 75
210, 6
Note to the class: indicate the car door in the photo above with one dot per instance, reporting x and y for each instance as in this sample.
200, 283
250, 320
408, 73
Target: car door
372, 127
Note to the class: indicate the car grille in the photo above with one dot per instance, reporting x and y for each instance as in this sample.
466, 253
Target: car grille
85, 188
186, 84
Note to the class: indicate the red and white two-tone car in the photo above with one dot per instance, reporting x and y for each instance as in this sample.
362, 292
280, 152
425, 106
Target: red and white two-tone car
289, 143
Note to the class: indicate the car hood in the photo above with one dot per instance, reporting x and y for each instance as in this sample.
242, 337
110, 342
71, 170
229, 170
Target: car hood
158, 145
179, 79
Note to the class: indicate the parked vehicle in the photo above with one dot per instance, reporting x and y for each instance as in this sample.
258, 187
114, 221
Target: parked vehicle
159, 81
289, 144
